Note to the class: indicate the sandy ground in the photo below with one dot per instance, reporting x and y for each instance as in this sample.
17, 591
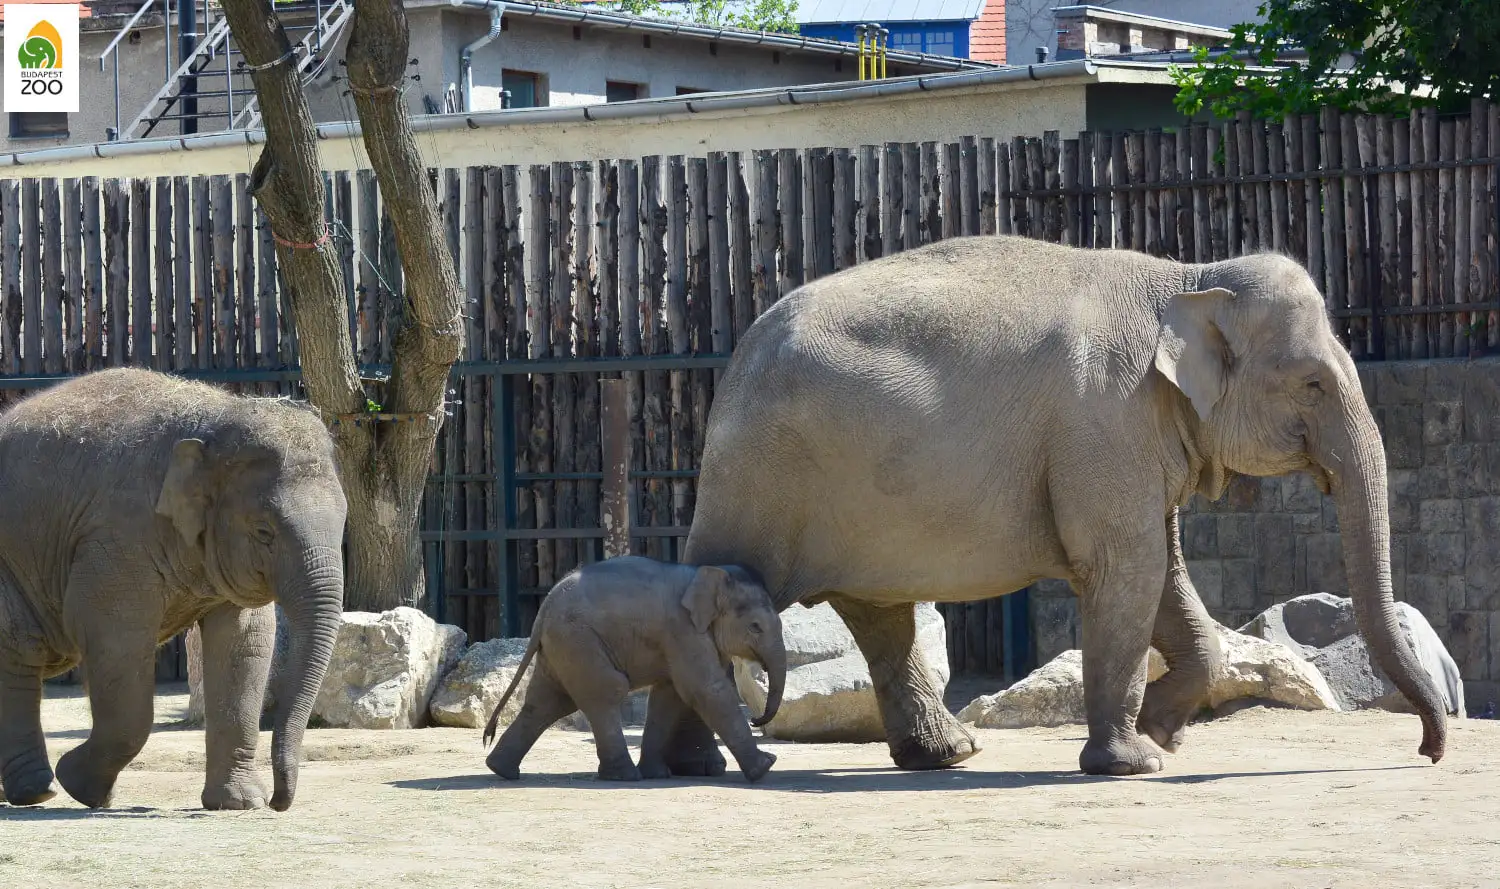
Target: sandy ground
1262, 798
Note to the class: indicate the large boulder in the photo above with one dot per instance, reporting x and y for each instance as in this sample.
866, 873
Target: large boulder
1322, 628
829, 696
1254, 671
469, 692
385, 669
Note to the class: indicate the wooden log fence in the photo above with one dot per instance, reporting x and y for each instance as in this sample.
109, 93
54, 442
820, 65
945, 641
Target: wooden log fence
1396, 218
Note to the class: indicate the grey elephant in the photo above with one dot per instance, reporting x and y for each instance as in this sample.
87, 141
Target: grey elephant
135, 505
960, 420
626, 623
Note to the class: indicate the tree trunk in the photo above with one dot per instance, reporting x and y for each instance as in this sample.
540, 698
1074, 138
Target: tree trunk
384, 548
384, 461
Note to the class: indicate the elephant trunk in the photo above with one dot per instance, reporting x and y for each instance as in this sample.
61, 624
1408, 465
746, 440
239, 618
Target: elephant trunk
1353, 456
772, 656
313, 599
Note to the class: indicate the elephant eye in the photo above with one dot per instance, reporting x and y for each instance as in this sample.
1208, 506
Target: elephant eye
756, 629
264, 534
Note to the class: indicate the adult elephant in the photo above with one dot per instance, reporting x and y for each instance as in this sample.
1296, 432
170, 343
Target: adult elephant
957, 421
137, 504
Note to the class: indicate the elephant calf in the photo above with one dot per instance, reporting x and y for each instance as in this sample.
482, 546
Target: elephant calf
137, 504
627, 623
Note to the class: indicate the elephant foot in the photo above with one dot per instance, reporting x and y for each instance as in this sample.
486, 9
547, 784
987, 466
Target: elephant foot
238, 795
28, 782
619, 771
757, 765
1117, 756
507, 767
654, 770
1166, 727
693, 756
84, 782
33, 795
941, 746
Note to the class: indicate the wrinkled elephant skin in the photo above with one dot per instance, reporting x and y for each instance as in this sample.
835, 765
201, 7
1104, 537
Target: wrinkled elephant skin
137, 504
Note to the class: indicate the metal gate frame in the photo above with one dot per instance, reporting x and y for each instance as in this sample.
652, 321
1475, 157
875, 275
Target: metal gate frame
507, 480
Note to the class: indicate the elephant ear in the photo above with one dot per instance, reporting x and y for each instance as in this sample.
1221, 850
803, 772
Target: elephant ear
706, 596
184, 497
1191, 350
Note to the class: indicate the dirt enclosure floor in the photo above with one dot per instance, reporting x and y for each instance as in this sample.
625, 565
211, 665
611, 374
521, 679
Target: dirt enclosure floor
1260, 799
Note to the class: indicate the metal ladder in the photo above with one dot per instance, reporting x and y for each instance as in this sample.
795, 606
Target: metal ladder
229, 95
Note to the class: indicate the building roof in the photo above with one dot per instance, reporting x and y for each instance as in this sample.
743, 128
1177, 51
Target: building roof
823, 11
1101, 14
811, 12
599, 16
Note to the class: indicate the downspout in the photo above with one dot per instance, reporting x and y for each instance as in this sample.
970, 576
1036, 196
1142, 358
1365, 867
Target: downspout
466, 56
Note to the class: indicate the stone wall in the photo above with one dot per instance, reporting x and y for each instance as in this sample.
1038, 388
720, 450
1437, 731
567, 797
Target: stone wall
1268, 540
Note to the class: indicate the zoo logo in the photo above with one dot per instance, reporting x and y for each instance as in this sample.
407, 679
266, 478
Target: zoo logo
42, 47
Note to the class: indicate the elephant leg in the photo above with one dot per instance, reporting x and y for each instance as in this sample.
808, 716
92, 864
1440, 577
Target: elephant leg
547, 701
24, 767
599, 688
120, 658
690, 749
715, 699
664, 710
921, 732
1119, 598
1189, 642
237, 649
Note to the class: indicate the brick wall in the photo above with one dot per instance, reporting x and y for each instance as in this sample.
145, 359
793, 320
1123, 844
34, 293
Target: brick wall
1268, 540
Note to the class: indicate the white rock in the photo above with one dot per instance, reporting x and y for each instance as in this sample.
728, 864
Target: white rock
1267, 671
385, 669
1253, 669
468, 693
829, 696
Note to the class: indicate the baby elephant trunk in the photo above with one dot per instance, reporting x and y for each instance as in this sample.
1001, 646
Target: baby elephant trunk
772, 656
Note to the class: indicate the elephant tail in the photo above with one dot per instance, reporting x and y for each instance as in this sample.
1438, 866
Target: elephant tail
531, 649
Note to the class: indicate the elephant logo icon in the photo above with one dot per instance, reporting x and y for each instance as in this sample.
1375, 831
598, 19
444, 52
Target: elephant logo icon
42, 47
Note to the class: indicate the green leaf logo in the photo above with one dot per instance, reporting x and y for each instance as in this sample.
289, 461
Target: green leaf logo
42, 48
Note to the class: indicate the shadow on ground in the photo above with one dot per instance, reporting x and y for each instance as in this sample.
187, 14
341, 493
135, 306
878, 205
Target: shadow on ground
855, 780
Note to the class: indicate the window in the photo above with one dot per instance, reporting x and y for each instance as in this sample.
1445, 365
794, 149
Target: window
689, 90
525, 89
38, 124
931, 40
905, 41
939, 43
618, 91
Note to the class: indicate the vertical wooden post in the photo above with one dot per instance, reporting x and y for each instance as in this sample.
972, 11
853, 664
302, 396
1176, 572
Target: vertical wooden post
10, 274
615, 509
987, 184
767, 227
52, 275
741, 266
93, 276
789, 192
73, 273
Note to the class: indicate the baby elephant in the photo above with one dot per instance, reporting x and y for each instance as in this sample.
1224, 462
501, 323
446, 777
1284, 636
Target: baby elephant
627, 623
